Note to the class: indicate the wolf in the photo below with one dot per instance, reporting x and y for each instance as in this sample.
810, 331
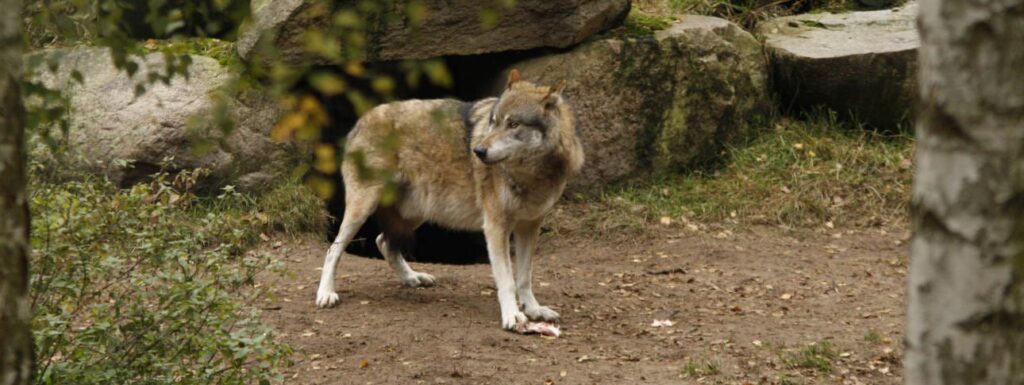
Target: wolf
497, 165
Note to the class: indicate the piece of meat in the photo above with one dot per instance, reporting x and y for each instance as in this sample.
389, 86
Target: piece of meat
542, 328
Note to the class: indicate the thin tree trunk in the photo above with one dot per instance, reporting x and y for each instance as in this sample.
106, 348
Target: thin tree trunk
15, 313
965, 322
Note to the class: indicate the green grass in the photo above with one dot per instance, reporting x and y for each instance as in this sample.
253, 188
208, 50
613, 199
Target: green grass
816, 356
641, 24
744, 12
220, 50
872, 337
786, 380
815, 172
702, 367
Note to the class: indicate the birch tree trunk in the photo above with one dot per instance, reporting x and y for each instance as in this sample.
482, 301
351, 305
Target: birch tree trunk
966, 292
15, 312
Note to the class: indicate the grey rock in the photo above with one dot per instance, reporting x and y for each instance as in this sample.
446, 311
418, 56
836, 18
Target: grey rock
859, 64
450, 27
110, 126
662, 103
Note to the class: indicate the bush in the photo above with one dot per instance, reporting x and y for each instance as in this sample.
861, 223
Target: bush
151, 285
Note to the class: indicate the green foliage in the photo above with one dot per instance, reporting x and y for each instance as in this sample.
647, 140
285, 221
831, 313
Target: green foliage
800, 173
150, 285
106, 22
816, 356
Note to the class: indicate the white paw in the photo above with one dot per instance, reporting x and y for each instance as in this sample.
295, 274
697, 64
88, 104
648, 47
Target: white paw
326, 299
417, 279
542, 313
510, 322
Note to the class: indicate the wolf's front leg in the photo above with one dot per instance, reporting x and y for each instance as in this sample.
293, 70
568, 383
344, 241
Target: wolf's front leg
526, 234
497, 234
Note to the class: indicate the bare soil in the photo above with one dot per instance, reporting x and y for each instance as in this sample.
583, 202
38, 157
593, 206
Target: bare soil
746, 305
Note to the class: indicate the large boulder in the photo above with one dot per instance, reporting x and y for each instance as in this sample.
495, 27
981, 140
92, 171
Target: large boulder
448, 27
859, 64
664, 102
109, 124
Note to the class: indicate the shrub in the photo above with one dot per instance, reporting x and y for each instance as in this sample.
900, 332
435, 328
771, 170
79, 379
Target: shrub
149, 285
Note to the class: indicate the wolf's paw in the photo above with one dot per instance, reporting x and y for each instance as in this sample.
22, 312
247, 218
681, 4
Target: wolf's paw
512, 320
326, 299
417, 279
542, 313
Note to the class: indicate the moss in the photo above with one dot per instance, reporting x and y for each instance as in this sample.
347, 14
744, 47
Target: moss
641, 66
221, 51
640, 24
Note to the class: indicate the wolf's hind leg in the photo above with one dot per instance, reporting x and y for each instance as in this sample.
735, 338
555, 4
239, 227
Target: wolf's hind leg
526, 234
359, 205
398, 238
409, 277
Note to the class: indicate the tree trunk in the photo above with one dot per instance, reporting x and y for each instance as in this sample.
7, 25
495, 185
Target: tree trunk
15, 312
965, 323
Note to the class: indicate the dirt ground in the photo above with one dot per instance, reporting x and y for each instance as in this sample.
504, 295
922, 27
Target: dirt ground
760, 305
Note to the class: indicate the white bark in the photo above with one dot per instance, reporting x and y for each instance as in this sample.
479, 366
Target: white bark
966, 292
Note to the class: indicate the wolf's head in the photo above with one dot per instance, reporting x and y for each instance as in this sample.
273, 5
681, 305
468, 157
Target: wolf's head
523, 123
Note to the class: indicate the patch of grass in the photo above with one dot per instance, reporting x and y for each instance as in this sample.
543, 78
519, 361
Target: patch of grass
641, 24
702, 367
800, 173
872, 337
816, 356
786, 380
220, 50
293, 208
744, 12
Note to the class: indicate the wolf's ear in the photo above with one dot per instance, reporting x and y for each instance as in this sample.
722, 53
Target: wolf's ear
554, 95
513, 77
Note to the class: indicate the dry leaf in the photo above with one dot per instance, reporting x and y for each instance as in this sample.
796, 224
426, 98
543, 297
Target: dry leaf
364, 364
662, 323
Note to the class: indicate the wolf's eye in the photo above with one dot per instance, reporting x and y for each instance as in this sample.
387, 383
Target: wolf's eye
513, 125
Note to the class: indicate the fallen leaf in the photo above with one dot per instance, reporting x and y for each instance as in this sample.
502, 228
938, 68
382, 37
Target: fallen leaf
662, 323
364, 364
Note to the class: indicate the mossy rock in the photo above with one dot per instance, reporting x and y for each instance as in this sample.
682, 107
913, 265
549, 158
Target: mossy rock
663, 103
863, 65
